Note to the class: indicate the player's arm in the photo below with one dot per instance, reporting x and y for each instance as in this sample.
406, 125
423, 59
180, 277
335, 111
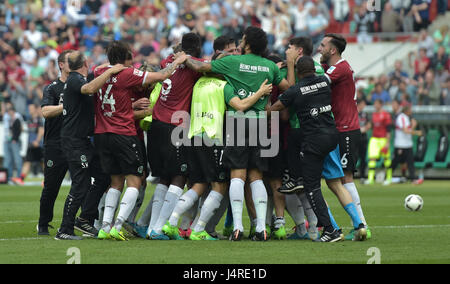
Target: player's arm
163, 74
39, 137
198, 66
48, 108
96, 84
243, 105
291, 58
139, 114
277, 106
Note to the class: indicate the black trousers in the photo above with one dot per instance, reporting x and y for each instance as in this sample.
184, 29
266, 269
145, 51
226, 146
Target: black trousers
402, 156
293, 153
55, 169
82, 166
314, 149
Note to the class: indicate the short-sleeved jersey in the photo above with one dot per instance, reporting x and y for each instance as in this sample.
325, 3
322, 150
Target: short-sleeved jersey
343, 95
176, 92
381, 122
208, 108
402, 139
113, 105
78, 109
311, 100
53, 96
246, 73
33, 124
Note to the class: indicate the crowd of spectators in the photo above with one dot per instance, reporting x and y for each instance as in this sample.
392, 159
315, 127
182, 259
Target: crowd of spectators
423, 79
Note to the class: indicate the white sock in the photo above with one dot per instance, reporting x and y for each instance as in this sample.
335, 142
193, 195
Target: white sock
101, 210
158, 201
259, 196
237, 202
212, 224
126, 206
212, 203
351, 188
310, 215
201, 200
270, 207
144, 220
189, 216
173, 194
137, 206
111, 200
295, 208
185, 203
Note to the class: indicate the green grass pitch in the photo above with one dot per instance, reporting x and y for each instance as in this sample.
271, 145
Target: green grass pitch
400, 236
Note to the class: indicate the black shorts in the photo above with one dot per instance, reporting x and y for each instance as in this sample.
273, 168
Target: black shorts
278, 165
349, 143
34, 154
119, 154
205, 164
166, 159
144, 157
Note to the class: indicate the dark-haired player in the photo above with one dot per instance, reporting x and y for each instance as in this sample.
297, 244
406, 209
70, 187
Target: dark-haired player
345, 112
77, 130
167, 158
116, 136
311, 99
245, 73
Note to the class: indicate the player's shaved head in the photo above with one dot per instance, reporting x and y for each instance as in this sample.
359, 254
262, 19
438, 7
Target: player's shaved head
190, 44
305, 66
76, 60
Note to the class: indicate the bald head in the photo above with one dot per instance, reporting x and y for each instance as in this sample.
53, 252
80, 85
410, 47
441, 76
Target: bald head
76, 60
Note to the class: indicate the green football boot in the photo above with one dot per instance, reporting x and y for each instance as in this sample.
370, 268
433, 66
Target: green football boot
102, 235
172, 232
201, 236
280, 233
118, 236
369, 233
350, 235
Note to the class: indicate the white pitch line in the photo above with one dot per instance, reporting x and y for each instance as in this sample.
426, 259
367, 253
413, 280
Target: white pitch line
22, 239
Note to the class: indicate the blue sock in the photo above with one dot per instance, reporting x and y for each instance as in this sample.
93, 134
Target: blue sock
229, 217
351, 211
333, 222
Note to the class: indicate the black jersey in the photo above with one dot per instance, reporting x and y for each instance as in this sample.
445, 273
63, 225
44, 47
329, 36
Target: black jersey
78, 109
53, 96
310, 98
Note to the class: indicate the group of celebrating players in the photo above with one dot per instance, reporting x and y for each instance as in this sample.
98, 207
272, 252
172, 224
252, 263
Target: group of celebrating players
95, 130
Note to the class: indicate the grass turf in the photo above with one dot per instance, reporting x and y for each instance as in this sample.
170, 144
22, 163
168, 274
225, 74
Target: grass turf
401, 236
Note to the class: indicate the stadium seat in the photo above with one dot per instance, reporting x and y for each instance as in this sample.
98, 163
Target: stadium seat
445, 164
433, 140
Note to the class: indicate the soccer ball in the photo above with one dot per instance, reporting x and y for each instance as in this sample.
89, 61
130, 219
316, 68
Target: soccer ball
413, 202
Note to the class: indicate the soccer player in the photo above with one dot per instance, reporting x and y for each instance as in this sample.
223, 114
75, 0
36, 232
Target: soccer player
344, 109
311, 98
403, 143
116, 136
364, 124
55, 164
167, 157
245, 73
77, 128
379, 143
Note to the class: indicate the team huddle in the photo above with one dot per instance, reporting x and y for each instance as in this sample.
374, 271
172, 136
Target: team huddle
245, 127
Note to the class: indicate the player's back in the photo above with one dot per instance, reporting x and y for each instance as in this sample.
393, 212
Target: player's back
176, 92
343, 96
113, 105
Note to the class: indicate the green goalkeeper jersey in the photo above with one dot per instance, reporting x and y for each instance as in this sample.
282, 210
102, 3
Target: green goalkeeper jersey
245, 74
208, 108
154, 95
